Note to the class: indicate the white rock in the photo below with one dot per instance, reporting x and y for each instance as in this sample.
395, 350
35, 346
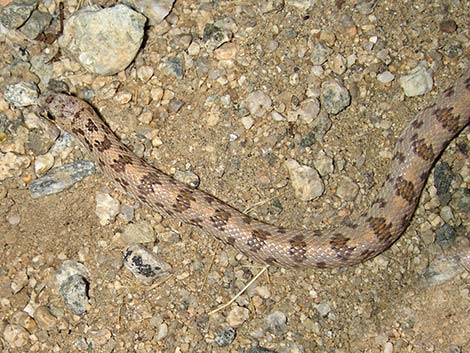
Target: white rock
15, 335
418, 82
385, 77
194, 49
43, 163
302, 5
21, 94
307, 111
247, 122
140, 233
237, 316
388, 348
107, 208
154, 10
103, 41
305, 180
334, 96
258, 103
145, 73
277, 116
347, 189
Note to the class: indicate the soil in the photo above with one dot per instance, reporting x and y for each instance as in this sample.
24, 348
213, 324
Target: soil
384, 305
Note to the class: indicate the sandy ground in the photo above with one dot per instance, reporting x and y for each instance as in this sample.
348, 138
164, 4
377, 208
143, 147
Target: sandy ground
384, 305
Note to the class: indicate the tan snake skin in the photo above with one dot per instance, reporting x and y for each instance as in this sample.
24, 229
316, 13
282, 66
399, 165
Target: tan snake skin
415, 152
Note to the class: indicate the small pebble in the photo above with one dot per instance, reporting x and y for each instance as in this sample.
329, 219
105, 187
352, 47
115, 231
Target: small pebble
145, 73
323, 309
44, 318
448, 26
301, 5
320, 53
21, 94
74, 290
308, 110
258, 103
226, 51
15, 335
162, 331
144, 265
338, 64
442, 270
188, 177
418, 82
173, 66
20, 280
237, 316
347, 189
154, 10
445, 235
247, 122
334, 96
305, 180
194, 49
388, 348
14, 219
107, 208
43, 163
385, 77
73, 286
324, 164
214, 36
140, 232
276, 322
99, 338
225, 337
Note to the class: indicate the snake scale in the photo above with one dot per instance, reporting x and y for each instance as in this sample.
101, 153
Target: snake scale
416, 150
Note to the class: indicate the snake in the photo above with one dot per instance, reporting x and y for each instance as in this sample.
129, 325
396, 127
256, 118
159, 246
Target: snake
369, 234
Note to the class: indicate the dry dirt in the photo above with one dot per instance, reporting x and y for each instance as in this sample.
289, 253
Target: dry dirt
383, 305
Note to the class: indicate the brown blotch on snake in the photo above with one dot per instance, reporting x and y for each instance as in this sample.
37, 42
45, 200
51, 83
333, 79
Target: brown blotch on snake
423, 150
449, 92
399, 156
448, 120
103, 145
339, 243
91, 126
377, 227
220, 219
183, 201
381, 228
380, 202
298, 248
417, 123
78, 131
119, 164
197, 222
405, 189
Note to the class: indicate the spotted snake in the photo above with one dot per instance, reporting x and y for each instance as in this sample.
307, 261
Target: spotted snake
416, 150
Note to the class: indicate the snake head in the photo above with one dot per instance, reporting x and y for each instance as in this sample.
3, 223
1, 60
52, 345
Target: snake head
62, 109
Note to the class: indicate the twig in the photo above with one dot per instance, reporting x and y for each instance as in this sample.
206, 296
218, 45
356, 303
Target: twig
240, 292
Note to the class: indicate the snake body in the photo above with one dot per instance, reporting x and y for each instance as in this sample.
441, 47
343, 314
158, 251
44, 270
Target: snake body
375, 230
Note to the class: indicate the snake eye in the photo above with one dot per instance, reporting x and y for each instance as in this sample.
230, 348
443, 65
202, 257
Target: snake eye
49, 116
